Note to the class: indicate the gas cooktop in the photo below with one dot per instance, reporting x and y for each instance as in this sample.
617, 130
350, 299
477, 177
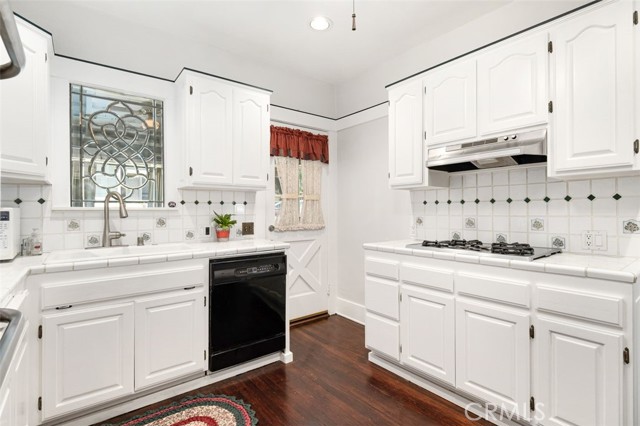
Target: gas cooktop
504, 250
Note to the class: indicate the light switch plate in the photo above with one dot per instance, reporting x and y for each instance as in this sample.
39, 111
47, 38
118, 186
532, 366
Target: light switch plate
594, 240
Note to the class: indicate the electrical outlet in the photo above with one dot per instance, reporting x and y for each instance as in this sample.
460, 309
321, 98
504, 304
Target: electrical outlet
594, 240
247, 228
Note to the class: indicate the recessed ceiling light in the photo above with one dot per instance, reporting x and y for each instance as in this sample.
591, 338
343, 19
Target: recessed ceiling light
320, 23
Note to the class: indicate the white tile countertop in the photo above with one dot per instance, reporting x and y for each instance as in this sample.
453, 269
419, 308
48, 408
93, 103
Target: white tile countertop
11, 273
622, 269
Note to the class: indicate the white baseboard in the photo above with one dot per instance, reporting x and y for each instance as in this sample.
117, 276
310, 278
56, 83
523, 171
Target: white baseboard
351, 310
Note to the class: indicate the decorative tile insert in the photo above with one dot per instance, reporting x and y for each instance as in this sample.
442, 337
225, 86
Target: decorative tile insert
161, 222
502, 238
617, 197
537, 224
73, 225
146, 237
558, 242
470, 223
630, 226
41, 200
591, 197
189, 234
93, 240
17, 201
456, 235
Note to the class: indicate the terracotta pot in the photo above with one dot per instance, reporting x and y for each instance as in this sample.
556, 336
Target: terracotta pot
222, 234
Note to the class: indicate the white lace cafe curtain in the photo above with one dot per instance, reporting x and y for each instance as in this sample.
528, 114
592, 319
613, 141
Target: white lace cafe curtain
299, 157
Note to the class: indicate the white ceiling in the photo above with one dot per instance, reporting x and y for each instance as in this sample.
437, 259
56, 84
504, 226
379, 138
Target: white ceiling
268, 31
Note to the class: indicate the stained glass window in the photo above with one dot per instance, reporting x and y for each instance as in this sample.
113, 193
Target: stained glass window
116, 145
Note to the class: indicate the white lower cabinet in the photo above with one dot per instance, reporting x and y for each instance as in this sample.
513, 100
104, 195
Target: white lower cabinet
14, 392
493, 354
177, 318
580, 376
382, 335
87, 357
428, 330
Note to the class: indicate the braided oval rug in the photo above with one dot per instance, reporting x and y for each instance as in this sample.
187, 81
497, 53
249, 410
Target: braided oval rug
198, 410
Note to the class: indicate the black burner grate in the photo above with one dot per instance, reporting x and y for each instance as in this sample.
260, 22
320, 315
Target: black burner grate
512, 248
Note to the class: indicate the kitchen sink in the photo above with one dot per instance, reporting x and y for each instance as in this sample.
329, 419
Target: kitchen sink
82, 255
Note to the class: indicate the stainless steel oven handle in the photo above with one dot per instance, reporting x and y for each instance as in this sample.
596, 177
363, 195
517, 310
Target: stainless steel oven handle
11, 39
9, 341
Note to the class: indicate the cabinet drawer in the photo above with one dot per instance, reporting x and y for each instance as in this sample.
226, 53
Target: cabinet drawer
596, 307
382, 335
494, 288
440, 279
382, 268
111, 283
381, 297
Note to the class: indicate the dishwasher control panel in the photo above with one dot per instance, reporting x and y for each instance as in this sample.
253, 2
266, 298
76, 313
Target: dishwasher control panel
256, 270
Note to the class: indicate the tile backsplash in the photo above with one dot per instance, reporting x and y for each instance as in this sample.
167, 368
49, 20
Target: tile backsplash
523, 205
69, 229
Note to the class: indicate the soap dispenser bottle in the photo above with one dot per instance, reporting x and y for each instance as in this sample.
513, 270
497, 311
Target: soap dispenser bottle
36, 242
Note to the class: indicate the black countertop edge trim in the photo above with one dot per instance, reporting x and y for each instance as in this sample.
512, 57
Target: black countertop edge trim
222, 78
494, 42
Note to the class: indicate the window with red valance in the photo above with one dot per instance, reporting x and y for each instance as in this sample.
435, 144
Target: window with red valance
294, 143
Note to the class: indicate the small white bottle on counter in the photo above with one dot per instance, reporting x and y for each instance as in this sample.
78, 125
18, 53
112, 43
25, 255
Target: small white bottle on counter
36, 242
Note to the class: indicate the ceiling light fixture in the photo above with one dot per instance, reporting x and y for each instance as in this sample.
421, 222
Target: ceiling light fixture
353, 17
320, 23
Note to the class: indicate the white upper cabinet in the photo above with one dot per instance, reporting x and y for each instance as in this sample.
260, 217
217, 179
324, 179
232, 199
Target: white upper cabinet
513, 85
208, 131
405, 135
593, 99
450, 103
407, 169
250, 138
24, 111
226, 132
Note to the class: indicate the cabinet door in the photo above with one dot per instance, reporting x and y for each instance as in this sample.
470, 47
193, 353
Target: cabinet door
427, 333
593, 117
450, 103
209, 121
579, 376
170, 339
405, 135
250, 138
25, 110
382, 335
513, 85
492, 354
87, 358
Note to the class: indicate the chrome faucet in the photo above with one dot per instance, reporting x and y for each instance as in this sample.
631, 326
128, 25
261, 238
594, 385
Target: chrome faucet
107, 235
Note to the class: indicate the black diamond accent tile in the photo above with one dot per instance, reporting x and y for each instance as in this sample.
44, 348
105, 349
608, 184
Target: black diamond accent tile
461, 201
448, 201
617, 197
476, 201
182, 202
233, 202
17, 201
221, 203
196, 202
424, 203
509, 200
245, 203
492, 201
591, 197
209, 202
41, 201
437, 202
567, 198
526, 200
546, 199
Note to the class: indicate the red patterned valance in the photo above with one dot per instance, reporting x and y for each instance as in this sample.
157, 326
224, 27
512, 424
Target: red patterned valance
286, 142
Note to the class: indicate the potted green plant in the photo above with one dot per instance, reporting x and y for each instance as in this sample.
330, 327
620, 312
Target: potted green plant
224, 223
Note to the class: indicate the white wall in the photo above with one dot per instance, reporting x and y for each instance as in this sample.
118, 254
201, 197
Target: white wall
369, 89
367, 209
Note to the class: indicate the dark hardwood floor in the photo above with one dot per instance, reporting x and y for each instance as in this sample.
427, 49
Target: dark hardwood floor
331, 382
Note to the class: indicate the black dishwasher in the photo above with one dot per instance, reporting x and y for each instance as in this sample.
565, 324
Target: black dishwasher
247, 313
